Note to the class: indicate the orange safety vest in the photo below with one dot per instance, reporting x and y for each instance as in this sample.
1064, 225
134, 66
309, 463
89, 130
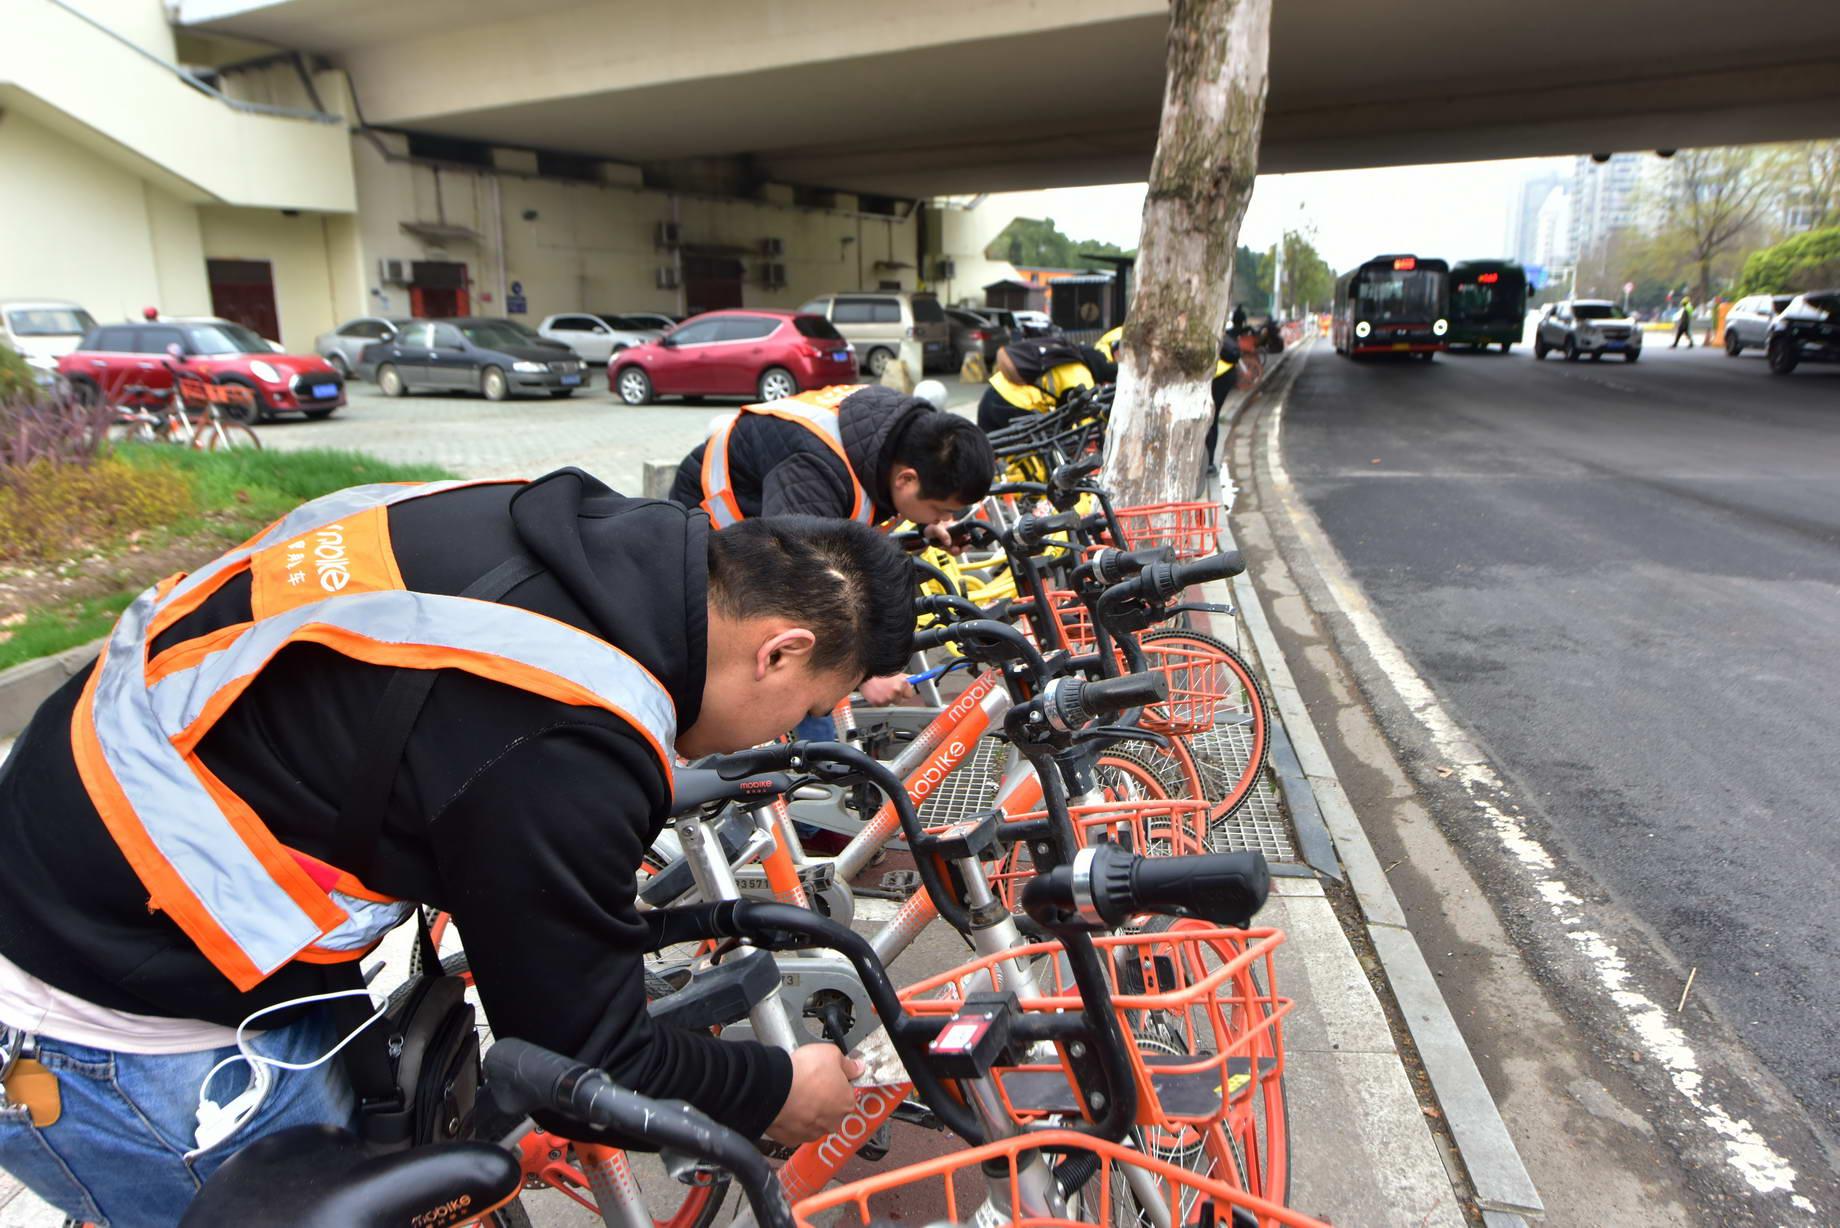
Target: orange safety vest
817, 412
323, 574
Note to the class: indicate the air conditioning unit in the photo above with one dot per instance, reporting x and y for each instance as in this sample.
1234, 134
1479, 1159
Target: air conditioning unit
393, 272
772, 247
667, 234
944, 269
667, 277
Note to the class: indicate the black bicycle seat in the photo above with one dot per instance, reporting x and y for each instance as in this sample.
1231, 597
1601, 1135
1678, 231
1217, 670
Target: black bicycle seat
322, 1177
694, 788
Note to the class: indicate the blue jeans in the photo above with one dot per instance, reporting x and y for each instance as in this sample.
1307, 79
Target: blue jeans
115, 1157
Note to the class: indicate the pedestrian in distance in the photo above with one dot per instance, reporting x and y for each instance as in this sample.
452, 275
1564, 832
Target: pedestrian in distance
1683, 323
464, 695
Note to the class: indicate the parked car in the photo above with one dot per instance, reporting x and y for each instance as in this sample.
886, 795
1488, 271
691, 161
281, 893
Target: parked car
1016, 325
765, 355
41, 331
343, 346
1807, 330
1748, 321
116, 359
972, 334
496, 358
1587, 326
597, 336
878, 322
1035, 324
650, 319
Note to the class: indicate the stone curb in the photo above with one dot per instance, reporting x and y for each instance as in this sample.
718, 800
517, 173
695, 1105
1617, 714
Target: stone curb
1504, 1190
31, 683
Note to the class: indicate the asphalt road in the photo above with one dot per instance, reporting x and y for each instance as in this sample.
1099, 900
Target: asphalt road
1626, 580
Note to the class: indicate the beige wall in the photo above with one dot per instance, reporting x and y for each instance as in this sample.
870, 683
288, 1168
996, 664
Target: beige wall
76, 226
964, 234
299, 253
593, 247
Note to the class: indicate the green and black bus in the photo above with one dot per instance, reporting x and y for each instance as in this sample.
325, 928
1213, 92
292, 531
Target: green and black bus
1488, 303
1393, 305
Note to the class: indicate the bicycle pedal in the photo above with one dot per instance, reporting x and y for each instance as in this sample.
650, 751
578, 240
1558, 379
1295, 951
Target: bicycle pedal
905, 882
875, 1147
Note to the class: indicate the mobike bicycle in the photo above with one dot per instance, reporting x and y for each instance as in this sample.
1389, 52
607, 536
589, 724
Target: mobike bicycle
1052, 1092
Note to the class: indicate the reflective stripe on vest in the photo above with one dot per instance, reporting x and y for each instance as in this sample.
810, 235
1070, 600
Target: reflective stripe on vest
817, 412
205, 857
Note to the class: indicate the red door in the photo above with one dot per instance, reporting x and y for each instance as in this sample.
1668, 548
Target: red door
712, 283
243, 291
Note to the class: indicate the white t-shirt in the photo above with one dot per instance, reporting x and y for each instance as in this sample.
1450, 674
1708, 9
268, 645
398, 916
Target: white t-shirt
30, 1005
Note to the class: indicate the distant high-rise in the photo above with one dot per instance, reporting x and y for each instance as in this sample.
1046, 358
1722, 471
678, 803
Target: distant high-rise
1524, 216
1605, 199
1552, 240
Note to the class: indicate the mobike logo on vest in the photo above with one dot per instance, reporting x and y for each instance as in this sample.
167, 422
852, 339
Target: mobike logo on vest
331, 560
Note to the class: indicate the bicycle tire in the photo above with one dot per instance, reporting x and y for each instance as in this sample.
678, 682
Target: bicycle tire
227, 436
1227, 789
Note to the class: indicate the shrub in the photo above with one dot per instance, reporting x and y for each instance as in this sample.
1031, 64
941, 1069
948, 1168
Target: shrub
50, 510
1809, 261
17, 378
37, 425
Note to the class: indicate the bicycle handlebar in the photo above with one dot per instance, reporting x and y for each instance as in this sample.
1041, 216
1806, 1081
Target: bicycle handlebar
1104, 885
1069, 703
524, 1077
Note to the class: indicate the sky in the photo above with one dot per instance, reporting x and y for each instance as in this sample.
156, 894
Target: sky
1458, 211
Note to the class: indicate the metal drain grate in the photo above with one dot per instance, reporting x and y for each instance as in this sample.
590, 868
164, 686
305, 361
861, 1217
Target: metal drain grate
970, 787
1260, 823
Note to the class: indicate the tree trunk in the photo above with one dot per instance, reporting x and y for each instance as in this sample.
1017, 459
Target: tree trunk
1207, 153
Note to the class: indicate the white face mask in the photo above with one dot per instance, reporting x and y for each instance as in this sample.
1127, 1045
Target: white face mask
217, 1122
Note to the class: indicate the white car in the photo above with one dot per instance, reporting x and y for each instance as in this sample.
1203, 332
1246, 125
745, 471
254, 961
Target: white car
42, 331
1587, 327
598, 336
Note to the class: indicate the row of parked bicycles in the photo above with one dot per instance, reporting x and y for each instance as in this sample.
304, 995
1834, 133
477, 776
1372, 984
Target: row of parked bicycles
1112, 1053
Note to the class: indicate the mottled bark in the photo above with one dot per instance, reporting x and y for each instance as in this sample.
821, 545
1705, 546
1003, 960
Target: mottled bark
1207, 153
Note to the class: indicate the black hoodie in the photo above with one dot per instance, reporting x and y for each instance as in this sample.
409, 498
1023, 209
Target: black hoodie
780, 468
523, 817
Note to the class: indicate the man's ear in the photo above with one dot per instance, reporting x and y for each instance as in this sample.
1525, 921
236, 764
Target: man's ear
783, 649
903, 475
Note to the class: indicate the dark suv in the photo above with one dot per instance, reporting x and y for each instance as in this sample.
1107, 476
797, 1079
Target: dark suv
1807, 330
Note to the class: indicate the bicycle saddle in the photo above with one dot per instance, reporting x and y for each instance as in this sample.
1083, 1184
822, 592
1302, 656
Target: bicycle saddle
322, 1177
693, 788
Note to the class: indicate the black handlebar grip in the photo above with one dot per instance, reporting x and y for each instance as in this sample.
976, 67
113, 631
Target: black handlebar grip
1225, 888
1110, 566
1111, 695
1222, 566
1074, 472
524, 1077
932, 637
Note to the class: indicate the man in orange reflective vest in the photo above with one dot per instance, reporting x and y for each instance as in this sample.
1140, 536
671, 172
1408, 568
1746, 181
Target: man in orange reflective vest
178, 852
863, 453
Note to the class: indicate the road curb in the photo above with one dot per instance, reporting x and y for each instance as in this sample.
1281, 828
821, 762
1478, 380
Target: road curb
1504, 1189
25, 686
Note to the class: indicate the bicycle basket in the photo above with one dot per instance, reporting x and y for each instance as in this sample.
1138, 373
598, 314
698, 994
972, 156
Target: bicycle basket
1162, 827
1197, 1005
1199, 682
1192, 529
987, 1185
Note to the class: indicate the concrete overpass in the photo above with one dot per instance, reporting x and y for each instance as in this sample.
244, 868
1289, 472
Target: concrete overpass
906, 99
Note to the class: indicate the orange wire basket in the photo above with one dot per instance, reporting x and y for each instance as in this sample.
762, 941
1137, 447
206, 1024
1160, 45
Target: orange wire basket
1197, 1005
1198, 680
1163, 827
990, 1184
1074, 619
1193, 529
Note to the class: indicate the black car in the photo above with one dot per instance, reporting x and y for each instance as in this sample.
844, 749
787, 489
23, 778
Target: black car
497, 358
973, 333
1807, 330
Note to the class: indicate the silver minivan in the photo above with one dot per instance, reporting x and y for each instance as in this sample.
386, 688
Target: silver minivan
886, 324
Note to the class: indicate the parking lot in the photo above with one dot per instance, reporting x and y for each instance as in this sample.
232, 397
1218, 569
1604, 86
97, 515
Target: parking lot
474, 437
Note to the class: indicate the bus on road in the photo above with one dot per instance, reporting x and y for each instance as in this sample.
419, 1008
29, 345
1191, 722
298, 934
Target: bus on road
1488, 303
1393, 305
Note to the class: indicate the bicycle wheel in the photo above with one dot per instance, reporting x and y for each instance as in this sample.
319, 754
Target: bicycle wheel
221, 436
1230, 757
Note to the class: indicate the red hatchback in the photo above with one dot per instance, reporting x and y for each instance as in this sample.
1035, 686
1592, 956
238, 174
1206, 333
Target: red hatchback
120, 360
763, 355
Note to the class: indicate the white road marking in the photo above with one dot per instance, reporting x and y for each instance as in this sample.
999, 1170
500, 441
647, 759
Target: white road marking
1761, 1167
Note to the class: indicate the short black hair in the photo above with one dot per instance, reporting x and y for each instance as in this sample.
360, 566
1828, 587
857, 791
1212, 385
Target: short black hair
952, 457
852, 586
